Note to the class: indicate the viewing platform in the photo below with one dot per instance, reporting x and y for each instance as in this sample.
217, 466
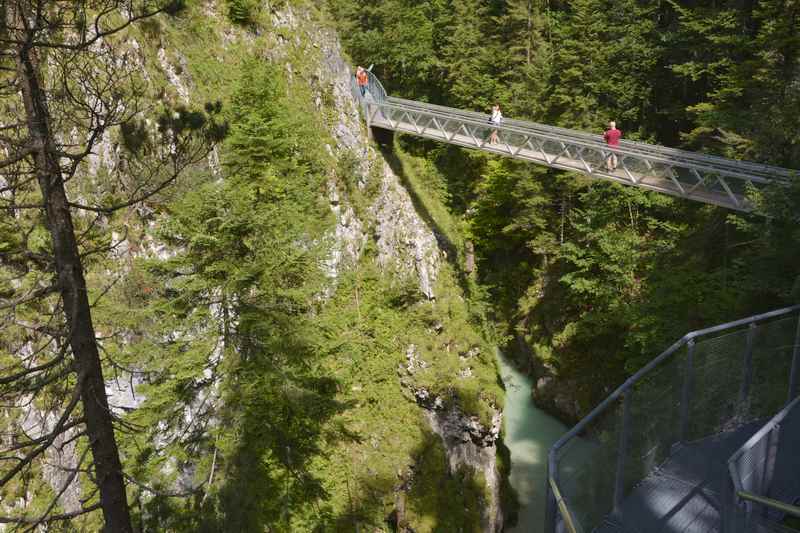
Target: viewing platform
704, 439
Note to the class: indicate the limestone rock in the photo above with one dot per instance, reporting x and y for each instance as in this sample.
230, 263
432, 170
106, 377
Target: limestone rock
468, 443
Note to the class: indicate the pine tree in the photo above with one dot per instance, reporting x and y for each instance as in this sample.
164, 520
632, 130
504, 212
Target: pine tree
526, 36
470, 57
72, 82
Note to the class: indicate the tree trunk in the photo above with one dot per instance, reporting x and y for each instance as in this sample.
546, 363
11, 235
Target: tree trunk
72, 287
469, 249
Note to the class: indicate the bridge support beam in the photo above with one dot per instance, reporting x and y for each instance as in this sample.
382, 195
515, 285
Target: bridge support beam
381, 136
794, 374
622, 451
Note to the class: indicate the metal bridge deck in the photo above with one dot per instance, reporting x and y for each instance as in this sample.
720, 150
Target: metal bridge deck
699, 177
684, 495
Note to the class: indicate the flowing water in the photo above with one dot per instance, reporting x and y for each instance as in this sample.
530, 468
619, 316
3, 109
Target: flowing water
529, 433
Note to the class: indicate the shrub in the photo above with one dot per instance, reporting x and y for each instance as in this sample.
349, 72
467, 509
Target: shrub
242, 11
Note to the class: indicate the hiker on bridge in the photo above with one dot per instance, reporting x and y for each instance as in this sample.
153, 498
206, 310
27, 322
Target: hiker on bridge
362, 79
612, 136
496, 120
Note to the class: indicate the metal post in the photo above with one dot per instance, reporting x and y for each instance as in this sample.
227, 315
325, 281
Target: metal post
369, 119
688, 375
730, 507
793, 375
770, 464
622, 452
551, 503
747, 375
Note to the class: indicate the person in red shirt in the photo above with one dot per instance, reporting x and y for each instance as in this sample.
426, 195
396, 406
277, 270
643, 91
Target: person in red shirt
362, 79
612, 137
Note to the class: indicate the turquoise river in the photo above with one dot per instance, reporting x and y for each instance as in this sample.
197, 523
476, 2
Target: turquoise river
529, 433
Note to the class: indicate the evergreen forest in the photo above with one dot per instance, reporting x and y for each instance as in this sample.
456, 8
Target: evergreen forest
224, 308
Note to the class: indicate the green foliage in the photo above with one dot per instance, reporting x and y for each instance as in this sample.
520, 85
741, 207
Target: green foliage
359, 192
747, 60
134, 135
242, 11
175, 7
227, 317
440, 500
267, 395
288, 401
399, 37
365, 332
179, 120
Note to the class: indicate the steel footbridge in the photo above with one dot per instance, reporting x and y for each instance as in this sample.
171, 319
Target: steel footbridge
700, 177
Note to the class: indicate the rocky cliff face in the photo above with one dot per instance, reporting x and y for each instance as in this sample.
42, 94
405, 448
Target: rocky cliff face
406, 246
468, 443
405, 243
553, 396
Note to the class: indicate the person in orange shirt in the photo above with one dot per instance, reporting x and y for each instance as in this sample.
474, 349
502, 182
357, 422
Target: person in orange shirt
362, 79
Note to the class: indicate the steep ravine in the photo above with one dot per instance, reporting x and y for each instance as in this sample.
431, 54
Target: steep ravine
405, 238
412, 445
407, 246
529, 430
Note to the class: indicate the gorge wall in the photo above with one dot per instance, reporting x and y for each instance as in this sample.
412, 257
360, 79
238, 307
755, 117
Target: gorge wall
406, 247
286, 341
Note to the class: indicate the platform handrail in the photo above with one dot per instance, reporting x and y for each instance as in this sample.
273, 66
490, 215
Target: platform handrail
569, 521
631, 381
553, 506
783, 507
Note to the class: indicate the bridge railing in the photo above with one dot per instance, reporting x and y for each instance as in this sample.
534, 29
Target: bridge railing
709, 382
764, 479
684, 178
767, 171
374, 93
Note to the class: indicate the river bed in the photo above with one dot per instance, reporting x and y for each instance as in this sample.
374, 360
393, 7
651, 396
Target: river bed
529, 433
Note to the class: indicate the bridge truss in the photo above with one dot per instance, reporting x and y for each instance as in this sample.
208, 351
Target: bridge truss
693, 176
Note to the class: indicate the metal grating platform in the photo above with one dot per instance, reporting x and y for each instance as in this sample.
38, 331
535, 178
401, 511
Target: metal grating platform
683, 496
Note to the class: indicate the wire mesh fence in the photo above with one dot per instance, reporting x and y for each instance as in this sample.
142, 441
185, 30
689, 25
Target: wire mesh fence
587, 468
768, 466
723, 380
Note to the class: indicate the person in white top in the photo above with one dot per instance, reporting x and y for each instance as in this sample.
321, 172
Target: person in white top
496, 120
